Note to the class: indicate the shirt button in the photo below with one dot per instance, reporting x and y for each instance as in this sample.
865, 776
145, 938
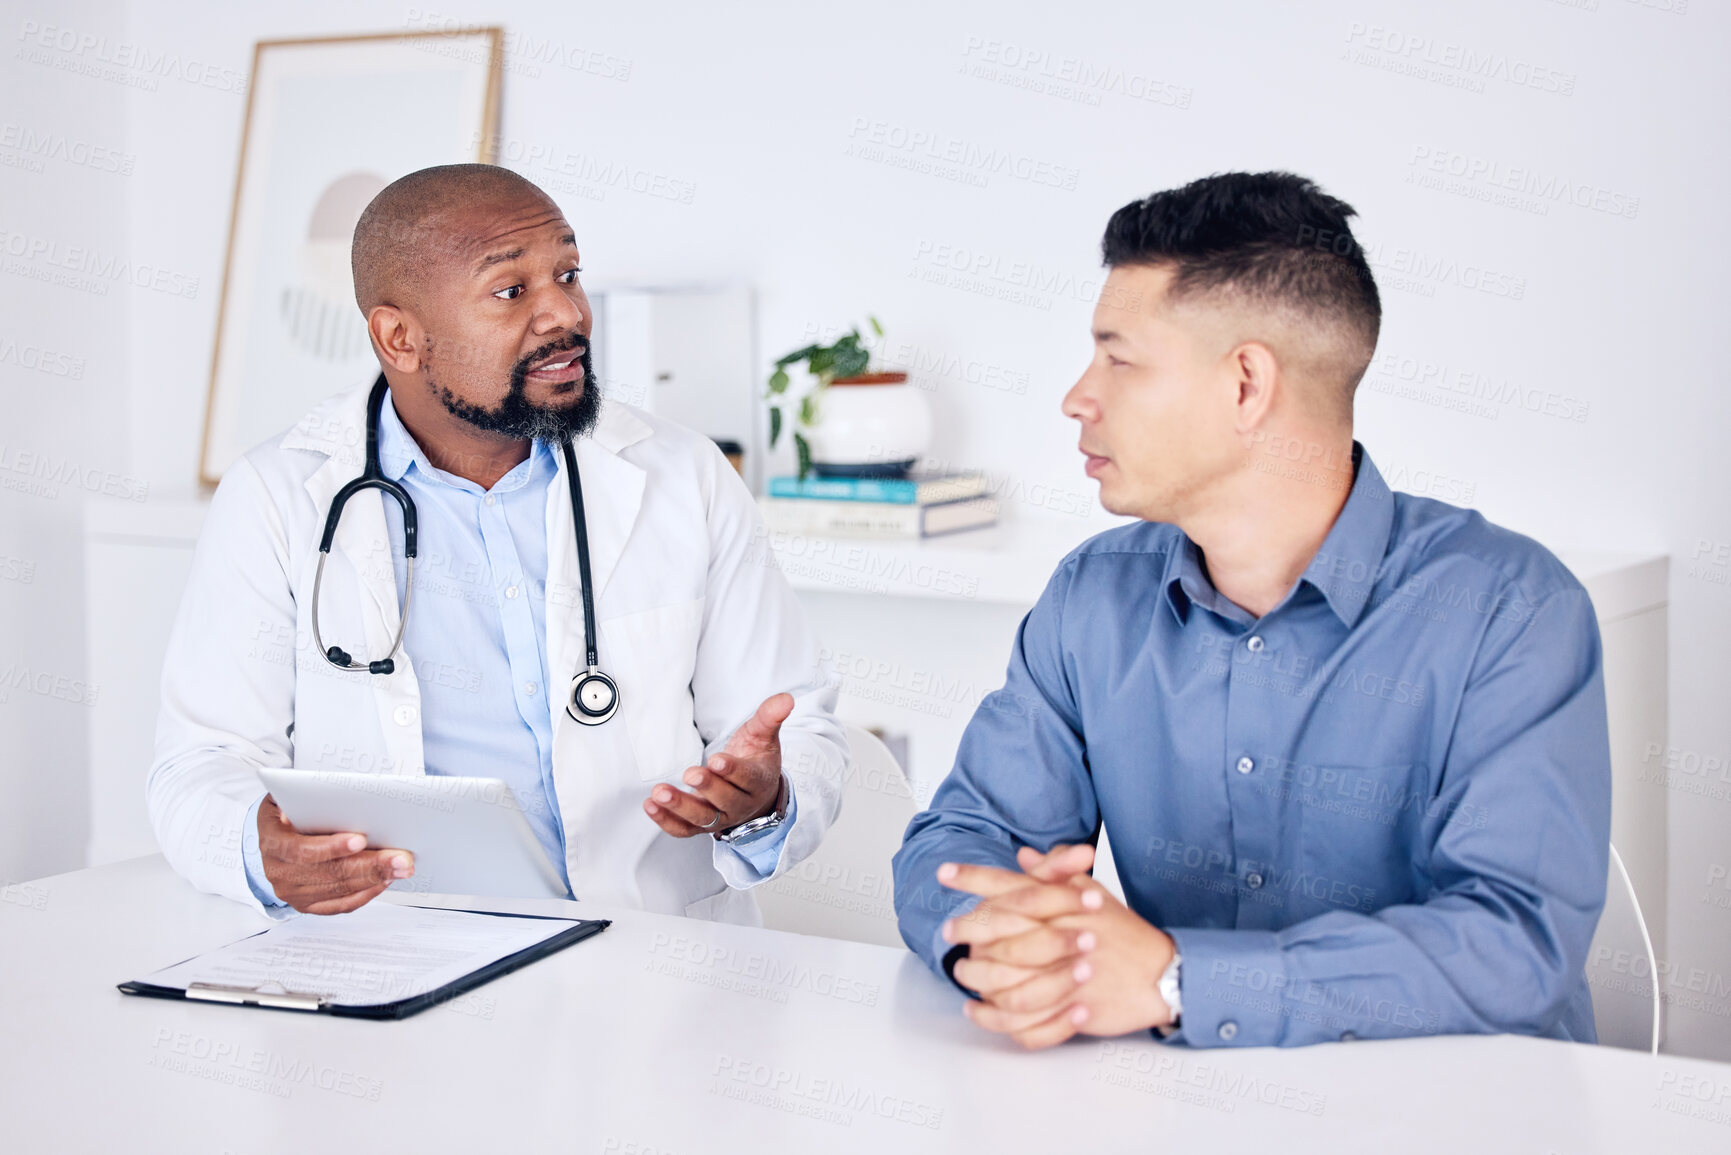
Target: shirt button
1347, 1036
528, 687
510, 591
1253, 880
1245, 765
491, 499
1228, 1031
1255, 643
404, 715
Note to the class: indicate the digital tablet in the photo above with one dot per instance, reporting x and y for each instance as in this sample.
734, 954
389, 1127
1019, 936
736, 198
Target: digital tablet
467, 834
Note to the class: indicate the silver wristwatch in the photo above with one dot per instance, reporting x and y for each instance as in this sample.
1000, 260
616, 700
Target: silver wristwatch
758, 827
1169, 989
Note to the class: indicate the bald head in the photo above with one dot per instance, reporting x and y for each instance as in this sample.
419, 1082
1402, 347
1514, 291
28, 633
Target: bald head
425, 224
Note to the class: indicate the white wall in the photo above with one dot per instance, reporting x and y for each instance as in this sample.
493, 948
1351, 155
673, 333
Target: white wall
66, 302
760, 107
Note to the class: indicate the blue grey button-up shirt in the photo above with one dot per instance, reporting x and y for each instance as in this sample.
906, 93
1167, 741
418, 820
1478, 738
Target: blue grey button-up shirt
1381, 809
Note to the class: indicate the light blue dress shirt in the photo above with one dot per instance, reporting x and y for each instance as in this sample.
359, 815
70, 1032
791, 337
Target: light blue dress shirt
1381, 809
476, 636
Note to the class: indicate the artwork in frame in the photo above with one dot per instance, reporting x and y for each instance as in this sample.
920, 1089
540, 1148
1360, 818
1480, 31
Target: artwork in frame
330, 121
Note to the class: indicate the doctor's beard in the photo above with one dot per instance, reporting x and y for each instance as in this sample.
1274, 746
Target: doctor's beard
517, 416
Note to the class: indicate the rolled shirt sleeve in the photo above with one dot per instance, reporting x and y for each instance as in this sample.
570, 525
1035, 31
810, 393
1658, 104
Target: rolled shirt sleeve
249, 851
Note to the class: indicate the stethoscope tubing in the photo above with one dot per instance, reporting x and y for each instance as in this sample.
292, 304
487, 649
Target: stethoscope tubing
373, 477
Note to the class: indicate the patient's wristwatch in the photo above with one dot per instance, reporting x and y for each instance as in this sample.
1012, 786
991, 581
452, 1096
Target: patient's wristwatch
760, 826
1169, 991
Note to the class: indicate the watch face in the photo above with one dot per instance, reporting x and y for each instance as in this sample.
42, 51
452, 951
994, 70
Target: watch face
753, 830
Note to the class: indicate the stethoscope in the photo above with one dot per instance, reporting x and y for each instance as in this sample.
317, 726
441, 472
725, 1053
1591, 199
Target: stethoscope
594, 696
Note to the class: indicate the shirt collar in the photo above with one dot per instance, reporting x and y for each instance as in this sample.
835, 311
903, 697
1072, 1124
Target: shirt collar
1187, 584
398, 450
1344, 570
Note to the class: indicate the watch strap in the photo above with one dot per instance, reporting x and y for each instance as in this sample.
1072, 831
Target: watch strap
763, 823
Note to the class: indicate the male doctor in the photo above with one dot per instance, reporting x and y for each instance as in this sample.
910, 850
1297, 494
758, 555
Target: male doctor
721, 767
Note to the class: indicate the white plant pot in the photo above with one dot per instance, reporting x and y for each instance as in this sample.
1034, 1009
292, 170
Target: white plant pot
873, 424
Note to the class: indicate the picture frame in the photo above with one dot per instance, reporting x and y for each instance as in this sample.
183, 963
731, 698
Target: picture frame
288, 332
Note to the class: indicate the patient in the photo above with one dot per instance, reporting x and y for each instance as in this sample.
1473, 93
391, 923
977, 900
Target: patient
1349, 745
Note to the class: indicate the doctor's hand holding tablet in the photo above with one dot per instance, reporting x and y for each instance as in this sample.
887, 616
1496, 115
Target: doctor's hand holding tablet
741, 791
324, 873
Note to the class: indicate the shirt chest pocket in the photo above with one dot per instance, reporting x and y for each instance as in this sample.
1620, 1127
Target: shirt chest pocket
1356, 824
652, 654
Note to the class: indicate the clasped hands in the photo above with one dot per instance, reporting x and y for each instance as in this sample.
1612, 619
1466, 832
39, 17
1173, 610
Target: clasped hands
1052, 953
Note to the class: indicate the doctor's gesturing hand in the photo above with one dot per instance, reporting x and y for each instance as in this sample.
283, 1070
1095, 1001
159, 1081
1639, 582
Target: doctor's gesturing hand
324, 873
1052, 953
742, 782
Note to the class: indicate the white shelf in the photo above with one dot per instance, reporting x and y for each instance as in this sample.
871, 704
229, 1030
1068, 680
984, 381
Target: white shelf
1009, 564
1005, 564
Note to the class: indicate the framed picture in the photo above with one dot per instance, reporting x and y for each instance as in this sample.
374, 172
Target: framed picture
330, 121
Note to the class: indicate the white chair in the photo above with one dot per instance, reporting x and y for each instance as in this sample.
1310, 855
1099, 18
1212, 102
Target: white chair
845, 890
1626, 1004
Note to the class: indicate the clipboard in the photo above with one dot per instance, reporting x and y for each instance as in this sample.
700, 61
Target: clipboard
287, 1000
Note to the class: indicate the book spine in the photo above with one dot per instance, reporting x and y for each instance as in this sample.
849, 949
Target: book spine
841, 518
898, 492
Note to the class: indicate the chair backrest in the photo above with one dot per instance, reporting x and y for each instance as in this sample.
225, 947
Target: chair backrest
845, 890
1622, 969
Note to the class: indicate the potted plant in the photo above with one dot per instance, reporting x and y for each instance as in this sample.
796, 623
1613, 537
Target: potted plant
843, 428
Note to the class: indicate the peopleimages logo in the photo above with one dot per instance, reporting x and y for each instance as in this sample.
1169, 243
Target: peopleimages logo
39, 146
41, 475
1068, 77
86, 52
790, 1090
1487, 175
967, 156
1430, 58
88, 262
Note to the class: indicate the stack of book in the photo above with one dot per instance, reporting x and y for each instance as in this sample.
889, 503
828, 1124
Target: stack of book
922, 505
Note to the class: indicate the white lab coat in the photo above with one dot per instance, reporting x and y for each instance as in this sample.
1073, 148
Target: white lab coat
697, 627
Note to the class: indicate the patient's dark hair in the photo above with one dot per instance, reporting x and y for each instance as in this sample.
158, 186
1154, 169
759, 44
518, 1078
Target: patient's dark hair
1274, 238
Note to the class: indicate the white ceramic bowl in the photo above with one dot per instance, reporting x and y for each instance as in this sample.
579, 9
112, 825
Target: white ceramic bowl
870, 423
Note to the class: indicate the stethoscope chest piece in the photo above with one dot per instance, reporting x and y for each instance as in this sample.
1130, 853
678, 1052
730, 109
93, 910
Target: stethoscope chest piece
594, 698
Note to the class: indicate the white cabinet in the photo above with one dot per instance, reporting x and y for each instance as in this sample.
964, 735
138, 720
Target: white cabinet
137, 557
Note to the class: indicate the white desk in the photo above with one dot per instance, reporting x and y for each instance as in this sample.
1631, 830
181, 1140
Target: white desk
653, 1037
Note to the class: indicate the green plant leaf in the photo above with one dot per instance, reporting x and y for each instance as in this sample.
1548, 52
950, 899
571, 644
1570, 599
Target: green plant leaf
802, 448
774, 424
797, 355
778, 381
876, 328
851, 362
808, 408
